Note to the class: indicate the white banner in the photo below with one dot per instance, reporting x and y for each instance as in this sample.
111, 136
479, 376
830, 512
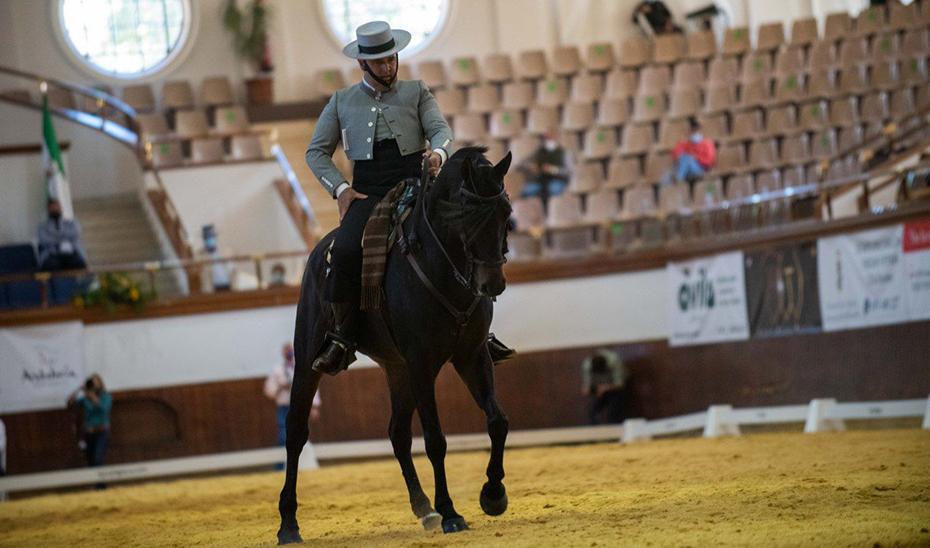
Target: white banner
40, 366
917, 268
707, 300
861, 279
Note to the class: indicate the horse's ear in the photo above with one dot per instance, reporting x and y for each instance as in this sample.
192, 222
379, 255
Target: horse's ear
503, 166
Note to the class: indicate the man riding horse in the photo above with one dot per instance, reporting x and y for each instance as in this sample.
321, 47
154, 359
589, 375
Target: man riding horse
383, 125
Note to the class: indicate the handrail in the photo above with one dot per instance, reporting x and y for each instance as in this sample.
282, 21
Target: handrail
108, 99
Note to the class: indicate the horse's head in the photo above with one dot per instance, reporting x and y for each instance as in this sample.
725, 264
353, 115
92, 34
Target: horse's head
485, 213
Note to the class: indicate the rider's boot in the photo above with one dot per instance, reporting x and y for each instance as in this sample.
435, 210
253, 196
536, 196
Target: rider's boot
339, 350
499, 351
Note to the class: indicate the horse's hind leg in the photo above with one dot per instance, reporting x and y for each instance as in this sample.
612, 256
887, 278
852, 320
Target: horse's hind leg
478, 374
402, 406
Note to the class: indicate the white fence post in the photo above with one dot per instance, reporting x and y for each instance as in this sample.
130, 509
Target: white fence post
635, 429
926, 424
817, 414
307, 459
720, 422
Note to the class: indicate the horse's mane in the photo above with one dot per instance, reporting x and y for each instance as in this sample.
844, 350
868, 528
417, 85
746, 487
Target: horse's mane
474, 153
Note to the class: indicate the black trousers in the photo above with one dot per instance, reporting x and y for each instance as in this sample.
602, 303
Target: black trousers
375, 178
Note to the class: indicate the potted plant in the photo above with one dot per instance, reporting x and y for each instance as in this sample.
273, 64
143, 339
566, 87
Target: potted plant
249, 31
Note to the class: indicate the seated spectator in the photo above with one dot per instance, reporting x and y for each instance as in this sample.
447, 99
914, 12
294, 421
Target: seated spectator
278, 276
603, 379
220, 271
694, 156
59, 241
654, 18
547, 170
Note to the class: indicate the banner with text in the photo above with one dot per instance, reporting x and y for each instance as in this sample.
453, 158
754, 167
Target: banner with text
40, 366
861, 278
707, 300
917, 268
781, 290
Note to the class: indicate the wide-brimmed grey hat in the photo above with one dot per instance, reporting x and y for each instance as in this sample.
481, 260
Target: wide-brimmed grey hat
375, 40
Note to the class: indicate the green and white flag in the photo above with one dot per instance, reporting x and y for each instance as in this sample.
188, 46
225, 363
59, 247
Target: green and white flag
56, 185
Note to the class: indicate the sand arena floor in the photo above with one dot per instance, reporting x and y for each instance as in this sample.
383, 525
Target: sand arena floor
856, 488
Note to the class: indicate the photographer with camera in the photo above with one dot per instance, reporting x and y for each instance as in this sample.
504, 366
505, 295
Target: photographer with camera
95, 403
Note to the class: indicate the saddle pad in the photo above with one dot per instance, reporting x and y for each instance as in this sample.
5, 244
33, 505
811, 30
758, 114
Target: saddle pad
376, 241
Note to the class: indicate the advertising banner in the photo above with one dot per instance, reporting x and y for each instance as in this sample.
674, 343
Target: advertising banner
917, 269
707, 300
40, 366
781, 290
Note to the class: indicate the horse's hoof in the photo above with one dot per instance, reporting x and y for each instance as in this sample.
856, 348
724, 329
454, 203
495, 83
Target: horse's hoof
431, 521
289, 536
493, 503
454, 525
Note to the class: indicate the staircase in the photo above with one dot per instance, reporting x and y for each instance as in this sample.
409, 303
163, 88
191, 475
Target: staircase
115, 230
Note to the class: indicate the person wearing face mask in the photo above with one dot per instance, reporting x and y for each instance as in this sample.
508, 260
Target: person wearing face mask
219, 270
59, 241
548, 170
278, 389
694, 156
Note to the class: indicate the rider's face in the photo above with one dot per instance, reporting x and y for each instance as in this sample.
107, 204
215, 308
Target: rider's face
384, 67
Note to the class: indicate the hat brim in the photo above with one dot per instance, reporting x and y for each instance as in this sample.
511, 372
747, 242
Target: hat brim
401, 39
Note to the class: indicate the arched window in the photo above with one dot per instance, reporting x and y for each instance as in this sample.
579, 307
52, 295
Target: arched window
125, 38
423, 19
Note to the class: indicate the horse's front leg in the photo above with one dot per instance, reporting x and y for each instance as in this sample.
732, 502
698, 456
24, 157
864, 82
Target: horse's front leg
476, 369
422, 383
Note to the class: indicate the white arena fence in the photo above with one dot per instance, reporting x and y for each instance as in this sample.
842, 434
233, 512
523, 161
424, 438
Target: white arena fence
819, 415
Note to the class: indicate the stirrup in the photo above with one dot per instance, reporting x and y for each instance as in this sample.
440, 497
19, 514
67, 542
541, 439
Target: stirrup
499, 351
337, 355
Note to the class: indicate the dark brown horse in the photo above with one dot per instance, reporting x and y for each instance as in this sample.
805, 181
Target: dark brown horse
439, 286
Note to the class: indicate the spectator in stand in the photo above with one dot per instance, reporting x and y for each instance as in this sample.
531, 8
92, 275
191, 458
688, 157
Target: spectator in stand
59, 241
654, 18
278, 276
694, 156
278, 388
603, 379
547, 170
220, 275
95, 404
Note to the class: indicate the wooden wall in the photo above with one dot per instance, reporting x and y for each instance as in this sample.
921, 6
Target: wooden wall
536, 390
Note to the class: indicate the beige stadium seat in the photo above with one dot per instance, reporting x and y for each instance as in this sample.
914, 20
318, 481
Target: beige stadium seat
771, 36
813, 115
669, 48
923, 97
916, 43
740, 186
514, 180
191, 123
498, 68
524, 148
153, 124
702, 45
924, 10
206, 151
746, 125
795, 149
329, 81
714, 125
789, 89
531, 65
621, 84
719, 99
844, 112
763, 154
566, 61
649, 108
790, 60
564, 211
635, 52
518, 95
599, 143
176, 95
781, 120
838, 26
804, 31
658, 163
723, 70
823, 144
586, 88
586, 177
730, 158
140, 97
885, 76
613, 112
637, 139
822, 55
854, 51
684, 103
707, 193
901, 17
541, 120
914, 71
671, 132
654, 80
674, 199
885, 47
551, 92
496, 151
600, 57
216, 91
528, 213
736, 41
870, 21
822, 84
689, 74
577, 116
432, 73
602, 206
752, 94
849, 137
639, 201
231, 119
902, 104
506, 124
768, 181
793, 176
469, 128
854, 80
483, 99
404, 72
623, 172
451, 101
463, 72
167, 154
757, 66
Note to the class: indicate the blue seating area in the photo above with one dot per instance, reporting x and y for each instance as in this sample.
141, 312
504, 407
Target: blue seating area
19, 259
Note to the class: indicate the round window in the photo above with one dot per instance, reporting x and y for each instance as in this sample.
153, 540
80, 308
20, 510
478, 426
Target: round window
125, 38
423, 19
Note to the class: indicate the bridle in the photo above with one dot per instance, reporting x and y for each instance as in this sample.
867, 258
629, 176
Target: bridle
469, 214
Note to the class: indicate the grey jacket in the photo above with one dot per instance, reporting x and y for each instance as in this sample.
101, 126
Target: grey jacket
409, 109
